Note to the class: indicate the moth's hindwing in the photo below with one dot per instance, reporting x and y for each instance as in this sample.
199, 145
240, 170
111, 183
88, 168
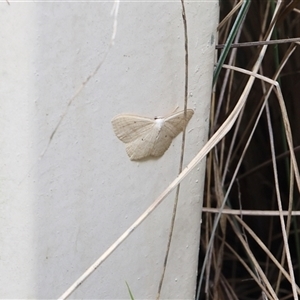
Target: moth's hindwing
143, 146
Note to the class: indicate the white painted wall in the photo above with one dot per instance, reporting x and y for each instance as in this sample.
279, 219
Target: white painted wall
60, 212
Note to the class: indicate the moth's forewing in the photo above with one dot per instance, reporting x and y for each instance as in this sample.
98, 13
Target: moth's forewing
129, 127
177, 122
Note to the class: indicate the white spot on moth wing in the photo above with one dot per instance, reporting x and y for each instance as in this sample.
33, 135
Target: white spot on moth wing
144, 137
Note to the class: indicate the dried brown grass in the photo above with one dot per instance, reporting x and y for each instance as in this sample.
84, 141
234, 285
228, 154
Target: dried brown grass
255, 253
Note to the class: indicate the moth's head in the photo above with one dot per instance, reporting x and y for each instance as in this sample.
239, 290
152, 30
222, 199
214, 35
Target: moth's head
159, 122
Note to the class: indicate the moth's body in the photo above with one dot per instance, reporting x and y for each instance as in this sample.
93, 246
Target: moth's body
159, 122
145, 137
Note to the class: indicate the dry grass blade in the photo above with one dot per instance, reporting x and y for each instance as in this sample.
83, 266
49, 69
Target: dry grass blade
202, 153
223, 130
251, 273
230, 14
245, 212
266, 250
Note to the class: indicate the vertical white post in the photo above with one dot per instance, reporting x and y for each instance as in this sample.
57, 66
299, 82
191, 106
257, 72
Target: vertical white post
61, 210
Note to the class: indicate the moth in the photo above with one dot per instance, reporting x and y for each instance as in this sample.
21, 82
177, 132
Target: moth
144, 137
